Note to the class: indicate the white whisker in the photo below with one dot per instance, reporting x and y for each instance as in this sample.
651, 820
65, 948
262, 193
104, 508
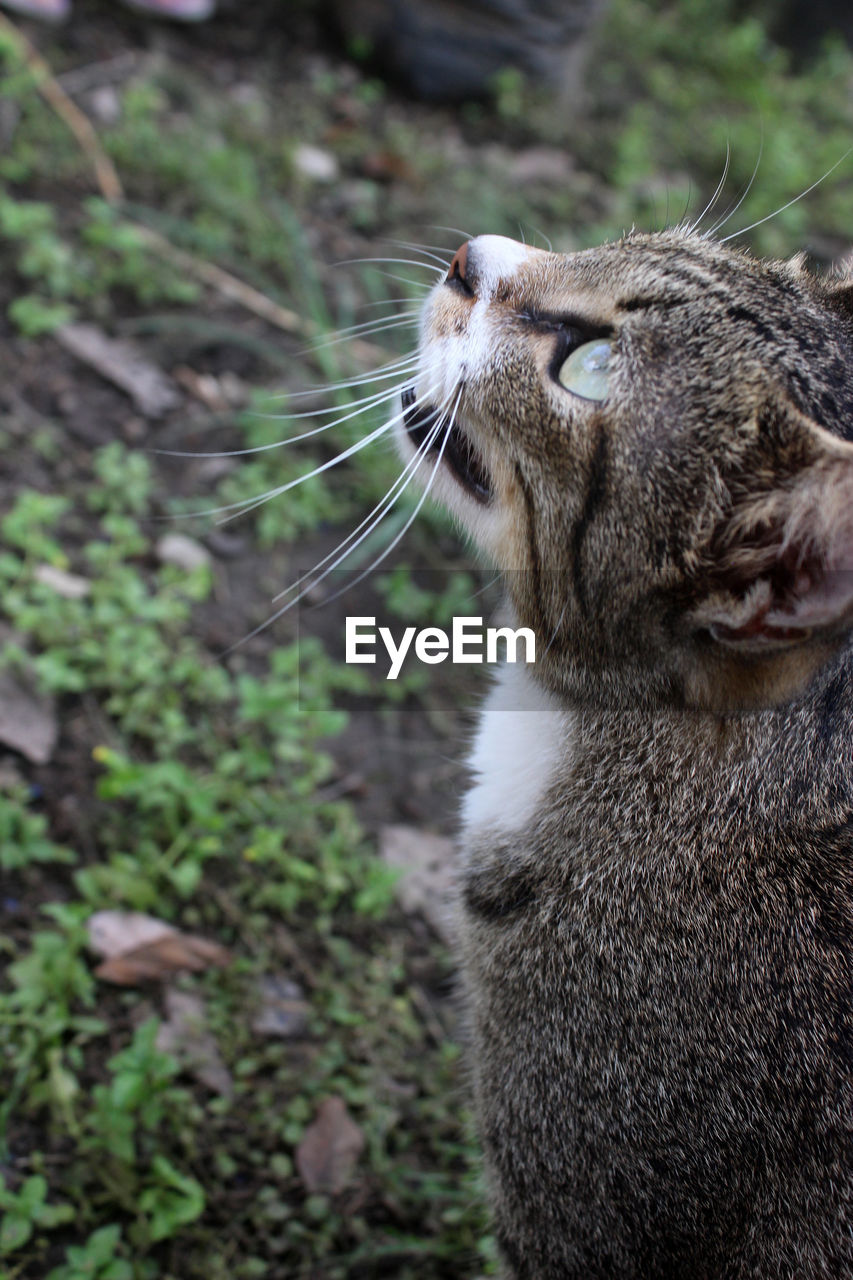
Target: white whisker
365, 330
556, 630
402, 262
385, 504
382, 374
731, 211
399, 370
719, 191
441, 256
245, 505
371, 325
369, 402
760, 222
447, 425
412, 284
457, 231
412, 465
539, 232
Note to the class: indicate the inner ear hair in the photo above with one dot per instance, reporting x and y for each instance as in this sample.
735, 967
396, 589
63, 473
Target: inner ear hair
781, 558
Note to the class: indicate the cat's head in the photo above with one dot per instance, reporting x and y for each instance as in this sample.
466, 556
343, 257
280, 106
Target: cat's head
651, 439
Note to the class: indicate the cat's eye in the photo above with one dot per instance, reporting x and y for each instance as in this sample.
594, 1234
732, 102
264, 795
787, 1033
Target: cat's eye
586, 372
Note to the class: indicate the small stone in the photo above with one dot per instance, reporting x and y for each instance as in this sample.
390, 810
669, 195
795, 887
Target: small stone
426, 864
316, 164
105, 104
69, 585
178, 549
283, 1009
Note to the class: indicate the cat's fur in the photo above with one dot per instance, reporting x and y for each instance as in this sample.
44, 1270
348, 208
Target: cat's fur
656, 887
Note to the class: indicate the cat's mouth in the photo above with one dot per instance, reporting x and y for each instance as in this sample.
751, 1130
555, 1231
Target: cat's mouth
456, 450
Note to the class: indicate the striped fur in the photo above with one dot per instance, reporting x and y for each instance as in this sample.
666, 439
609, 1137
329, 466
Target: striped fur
658, 964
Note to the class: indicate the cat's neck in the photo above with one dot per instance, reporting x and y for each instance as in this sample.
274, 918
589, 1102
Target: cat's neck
784, 766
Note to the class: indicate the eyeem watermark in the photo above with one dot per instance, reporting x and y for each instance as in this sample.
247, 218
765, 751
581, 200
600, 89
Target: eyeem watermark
432, 645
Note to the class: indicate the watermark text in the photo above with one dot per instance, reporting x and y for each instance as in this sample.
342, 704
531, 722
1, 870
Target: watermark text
468, 642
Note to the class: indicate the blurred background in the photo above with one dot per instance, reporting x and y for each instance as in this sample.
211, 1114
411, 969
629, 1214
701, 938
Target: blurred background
257, 1074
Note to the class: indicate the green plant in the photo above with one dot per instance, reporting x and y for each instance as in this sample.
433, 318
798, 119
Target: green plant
169, 1199
705, 82
25, 1210
140, 1095
43, 1023
96, 1259
23, 834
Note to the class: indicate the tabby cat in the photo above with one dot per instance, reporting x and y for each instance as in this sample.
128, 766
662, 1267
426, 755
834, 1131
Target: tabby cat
654, 441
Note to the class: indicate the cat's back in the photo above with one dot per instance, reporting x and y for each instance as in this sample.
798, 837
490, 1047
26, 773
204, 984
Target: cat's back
653, 441
659, 958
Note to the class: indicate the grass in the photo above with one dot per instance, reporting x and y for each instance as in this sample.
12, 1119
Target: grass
202, 788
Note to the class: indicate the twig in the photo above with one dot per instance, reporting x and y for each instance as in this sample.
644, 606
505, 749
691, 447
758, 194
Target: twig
79, 124
246, 295
229, 286
110, 186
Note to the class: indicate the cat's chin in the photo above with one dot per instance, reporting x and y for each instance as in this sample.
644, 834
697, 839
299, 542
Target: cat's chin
448, 441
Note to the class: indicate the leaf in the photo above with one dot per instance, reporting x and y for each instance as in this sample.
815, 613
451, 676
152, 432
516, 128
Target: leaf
111, 933
185, 1033
168, 955
173, 1201
141, 948
15, 1231
102, 1244
117, 1270
27, 719
330, 1147
33, 1193
150, 389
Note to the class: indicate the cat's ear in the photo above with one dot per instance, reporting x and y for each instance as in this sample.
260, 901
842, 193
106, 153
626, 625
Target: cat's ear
781, 561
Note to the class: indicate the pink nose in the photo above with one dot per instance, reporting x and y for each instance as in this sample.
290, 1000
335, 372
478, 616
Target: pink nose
459, 263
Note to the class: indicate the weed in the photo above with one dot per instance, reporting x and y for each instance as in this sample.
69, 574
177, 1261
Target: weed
96, 1260
703, 79
26, 1210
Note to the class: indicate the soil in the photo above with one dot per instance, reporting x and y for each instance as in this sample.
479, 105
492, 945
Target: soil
397, 761
397, 764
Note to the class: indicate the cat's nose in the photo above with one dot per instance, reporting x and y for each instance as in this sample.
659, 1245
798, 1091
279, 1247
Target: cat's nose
459, 266
486, 261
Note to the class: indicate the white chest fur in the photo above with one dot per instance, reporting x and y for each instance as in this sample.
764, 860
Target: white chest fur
523, 738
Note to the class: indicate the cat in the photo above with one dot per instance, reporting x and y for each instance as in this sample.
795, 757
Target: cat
653, 440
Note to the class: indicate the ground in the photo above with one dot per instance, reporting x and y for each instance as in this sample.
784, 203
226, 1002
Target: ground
272, 1088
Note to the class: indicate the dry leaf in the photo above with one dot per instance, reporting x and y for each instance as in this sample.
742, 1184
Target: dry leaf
185, 1033
328, 1153
27, 720
151, 391
112, 932
140, 948
426, 863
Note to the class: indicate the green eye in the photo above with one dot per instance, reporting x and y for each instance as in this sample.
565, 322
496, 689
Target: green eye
586, 373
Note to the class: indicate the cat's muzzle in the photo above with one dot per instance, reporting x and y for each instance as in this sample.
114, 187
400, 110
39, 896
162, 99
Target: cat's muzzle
430, 426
